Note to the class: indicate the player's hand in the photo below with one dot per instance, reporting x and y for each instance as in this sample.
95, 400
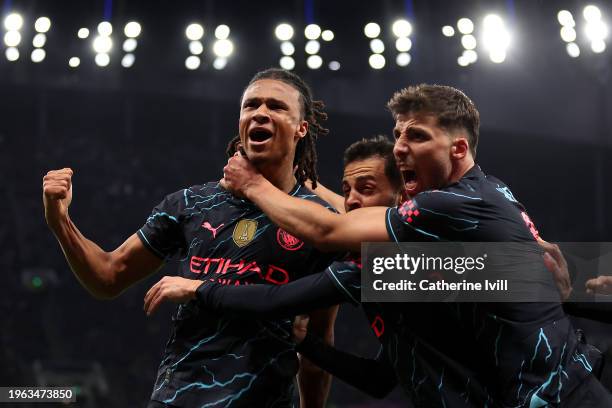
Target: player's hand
239, 175
57, 195
170, 288
557, 265
300, 328
601, 284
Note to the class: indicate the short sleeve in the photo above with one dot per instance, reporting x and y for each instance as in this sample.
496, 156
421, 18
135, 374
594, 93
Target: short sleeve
431, 216
162, 233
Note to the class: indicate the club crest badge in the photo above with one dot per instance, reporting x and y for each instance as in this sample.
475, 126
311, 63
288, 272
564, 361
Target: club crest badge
244, 232
288, 241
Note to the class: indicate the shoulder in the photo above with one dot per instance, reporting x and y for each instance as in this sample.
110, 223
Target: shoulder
307, 194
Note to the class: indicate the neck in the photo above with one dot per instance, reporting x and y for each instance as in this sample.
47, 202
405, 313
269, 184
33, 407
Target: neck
280, 175
462, 167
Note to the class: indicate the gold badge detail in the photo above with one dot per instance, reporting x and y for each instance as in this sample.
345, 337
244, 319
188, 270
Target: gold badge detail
244, 232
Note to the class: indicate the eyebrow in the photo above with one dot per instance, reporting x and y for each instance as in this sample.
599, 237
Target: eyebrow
267, 100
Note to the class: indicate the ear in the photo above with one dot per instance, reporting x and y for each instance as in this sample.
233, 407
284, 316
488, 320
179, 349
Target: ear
460, 148
301, 130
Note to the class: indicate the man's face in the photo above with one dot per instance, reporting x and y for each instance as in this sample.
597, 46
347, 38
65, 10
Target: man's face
365, 184
423, 152
270, 122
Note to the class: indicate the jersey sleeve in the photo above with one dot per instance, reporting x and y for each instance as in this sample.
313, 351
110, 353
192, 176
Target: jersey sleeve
431, 216
347, 278
162, 232
271, 301
375, 377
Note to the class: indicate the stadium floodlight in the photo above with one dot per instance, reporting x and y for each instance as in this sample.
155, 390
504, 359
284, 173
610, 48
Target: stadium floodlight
312, 47
102, 44
377, 46
194, 32
12, 54
462, 61
38, 55
128, 60
334, 65
495, 37
42, 24
130, 44
596, 30
287, 48
105, 29
591, 13
196, 47
468, 41
83, 33
223, 48
284, 32
568, 34
132, 29
573, 50
598, 46
465, 25
312, 31
448, 31
222, 32
377, 61
371, 30
13, 22
403, 44
470, 56
497, 56
12, 38
314, 62
401, 28
39, 40
287, 63
403, 59
565, 18
192, 62
219, 63
102, 60
74, 62
328, 35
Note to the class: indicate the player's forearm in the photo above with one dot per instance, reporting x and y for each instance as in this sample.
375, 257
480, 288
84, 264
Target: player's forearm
307, 220
374, 377
314, 384
91, 264
270, 301
336, 200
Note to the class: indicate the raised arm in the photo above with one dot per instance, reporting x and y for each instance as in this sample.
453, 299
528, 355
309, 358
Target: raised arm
104, 274
309, 221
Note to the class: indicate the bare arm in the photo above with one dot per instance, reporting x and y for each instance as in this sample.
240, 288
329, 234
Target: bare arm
335, 200
103, 274
314, 382
309, 221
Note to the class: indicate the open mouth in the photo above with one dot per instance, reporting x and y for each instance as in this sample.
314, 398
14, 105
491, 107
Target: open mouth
410, 181
259, 135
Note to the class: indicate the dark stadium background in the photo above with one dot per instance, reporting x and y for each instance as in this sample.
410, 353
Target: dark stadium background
134, 135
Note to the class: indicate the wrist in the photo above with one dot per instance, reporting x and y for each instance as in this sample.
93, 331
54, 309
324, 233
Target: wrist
255, 187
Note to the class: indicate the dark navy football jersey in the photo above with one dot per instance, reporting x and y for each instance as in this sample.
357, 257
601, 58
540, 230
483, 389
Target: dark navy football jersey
217, 359
466, 354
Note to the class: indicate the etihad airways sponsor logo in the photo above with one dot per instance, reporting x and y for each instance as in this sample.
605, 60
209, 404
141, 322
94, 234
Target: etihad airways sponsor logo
272, 273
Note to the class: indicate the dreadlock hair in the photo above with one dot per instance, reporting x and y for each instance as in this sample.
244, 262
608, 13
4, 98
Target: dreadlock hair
232, 146
312, 111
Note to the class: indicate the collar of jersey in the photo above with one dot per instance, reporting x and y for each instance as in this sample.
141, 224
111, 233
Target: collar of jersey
243, 201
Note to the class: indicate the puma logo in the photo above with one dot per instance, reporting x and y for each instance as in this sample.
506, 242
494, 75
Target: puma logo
211, 229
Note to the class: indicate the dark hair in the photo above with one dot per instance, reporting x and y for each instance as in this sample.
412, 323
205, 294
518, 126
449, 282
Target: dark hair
232, 146
379, 146
311, 111
452, 108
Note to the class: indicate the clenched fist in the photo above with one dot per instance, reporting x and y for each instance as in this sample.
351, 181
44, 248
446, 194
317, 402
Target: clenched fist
57, 195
